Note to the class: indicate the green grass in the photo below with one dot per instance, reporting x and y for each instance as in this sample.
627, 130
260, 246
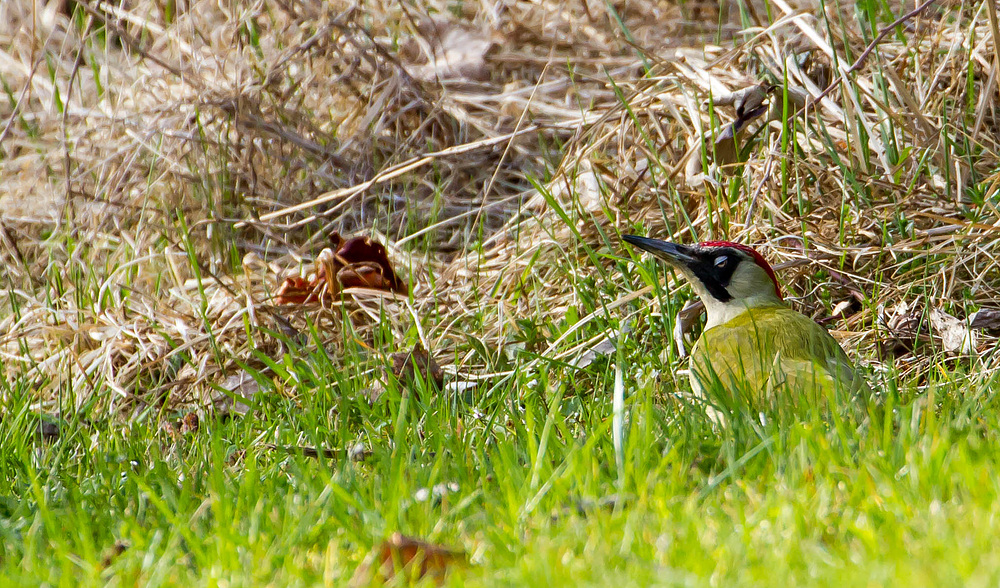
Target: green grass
905, 495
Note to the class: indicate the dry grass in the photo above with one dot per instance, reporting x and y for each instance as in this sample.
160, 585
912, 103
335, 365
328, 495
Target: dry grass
497, 149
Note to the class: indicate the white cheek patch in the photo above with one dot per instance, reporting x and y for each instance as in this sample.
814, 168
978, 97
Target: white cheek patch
746, 280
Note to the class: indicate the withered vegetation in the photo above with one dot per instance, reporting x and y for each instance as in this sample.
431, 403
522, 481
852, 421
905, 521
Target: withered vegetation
165, 165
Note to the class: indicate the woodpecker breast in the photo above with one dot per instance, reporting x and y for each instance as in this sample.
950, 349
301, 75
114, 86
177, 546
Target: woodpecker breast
769, 353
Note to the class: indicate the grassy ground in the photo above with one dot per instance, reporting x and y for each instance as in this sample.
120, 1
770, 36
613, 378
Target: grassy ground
165, 165
529, 488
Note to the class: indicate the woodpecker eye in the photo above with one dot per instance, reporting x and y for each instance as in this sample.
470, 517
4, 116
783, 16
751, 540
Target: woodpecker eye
721, 261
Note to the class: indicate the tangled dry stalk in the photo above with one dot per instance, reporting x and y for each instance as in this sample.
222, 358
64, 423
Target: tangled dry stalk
145, 146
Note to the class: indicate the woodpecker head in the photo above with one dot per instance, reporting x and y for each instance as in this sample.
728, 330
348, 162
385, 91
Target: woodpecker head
728, 277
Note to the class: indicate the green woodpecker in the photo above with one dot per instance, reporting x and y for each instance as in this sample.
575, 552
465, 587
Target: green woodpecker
753, 345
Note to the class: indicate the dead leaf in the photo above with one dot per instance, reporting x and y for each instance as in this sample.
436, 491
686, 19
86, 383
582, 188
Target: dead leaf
906, 326
189, 424
725, 148
171, 428
405, 365
685, 321
236, 457
452, 52
797, 98
841, 308
955, 335
357, 452
242, 385
297, 290
373, 392
750, 103
414, 558
48, 428
363, 275
590, 355
903, 323
359, 262
744, 99
372, 254
184, 426
110, 554
985, 319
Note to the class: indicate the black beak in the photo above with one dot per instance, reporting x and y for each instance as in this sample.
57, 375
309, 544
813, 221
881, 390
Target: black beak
672, 253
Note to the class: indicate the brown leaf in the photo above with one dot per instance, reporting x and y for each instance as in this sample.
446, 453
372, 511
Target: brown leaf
363, 275
744, 99
903, 323
903, 320
111, 553
414, 558
955, 335
48, 431
404, 365
327, 266
453, 52
189, 424
906, 325
749, 103
357, 452
186, 425
603, 347
242, 385
752, 104
354, 263
685, 321
726, 150
362, 250
296, 290
171, 428
986, 319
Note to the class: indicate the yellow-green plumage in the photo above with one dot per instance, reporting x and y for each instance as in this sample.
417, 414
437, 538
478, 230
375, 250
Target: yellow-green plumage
772, 350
